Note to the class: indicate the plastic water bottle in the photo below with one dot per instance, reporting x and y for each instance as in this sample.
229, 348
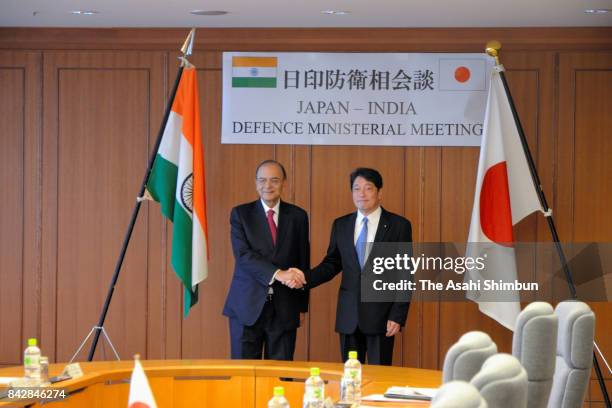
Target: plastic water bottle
278, 400
314, 393
31, 363
350, 386
44, 371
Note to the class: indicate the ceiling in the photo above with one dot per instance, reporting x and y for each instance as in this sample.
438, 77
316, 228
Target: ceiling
287, 13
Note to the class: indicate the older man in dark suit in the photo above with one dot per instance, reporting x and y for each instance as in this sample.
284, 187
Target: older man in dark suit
368, 328
265, 299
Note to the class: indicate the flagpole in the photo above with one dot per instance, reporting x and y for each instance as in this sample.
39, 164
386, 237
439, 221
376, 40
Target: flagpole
492, 49
186, 50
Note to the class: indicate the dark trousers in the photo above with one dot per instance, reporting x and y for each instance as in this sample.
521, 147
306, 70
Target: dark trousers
378, 348
264, 338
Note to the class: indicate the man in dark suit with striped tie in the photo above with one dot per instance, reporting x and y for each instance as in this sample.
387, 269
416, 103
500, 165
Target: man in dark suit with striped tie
368, 328
265, 298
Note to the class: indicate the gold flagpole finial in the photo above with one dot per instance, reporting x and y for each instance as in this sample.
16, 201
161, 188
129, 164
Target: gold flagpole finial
492, 48
187, 47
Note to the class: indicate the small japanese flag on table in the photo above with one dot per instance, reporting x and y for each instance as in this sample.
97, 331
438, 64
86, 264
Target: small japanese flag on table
140, 391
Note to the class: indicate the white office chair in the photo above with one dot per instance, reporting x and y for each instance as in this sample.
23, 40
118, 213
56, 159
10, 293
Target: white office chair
534, 344
465, 358
502, 382
574, 354
458, 394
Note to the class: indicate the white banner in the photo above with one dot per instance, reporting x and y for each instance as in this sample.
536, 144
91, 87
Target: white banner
354, 98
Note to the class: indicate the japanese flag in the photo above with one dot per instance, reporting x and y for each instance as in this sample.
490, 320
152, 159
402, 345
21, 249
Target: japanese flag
140, 391
505, 194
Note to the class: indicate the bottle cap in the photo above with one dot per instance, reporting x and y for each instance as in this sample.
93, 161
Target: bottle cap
32, 342
315, 371
353, 354
279, 391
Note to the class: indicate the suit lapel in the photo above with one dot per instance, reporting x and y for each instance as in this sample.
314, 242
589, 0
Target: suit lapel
261, 221
381, 232
349, 237
383, 226
283, 224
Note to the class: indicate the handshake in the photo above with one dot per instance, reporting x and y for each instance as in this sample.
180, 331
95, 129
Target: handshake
292, 277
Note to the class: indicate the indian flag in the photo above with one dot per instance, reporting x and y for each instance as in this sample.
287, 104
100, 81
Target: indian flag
177, 183
254, 72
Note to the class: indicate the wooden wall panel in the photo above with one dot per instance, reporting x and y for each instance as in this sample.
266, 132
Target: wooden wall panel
410, 340
20, 218
428, 229
592, 156
458, 175
97, 132
12, 291
12, 103
584, 166
100, 111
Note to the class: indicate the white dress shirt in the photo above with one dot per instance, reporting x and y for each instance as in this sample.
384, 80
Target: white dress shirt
373, 220
275, 208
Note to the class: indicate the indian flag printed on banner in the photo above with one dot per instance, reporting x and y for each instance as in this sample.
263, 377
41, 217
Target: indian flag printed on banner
254, 72
177, 183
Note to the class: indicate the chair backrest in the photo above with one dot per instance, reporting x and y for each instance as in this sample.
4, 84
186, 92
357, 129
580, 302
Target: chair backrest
502, 382
574, 354
535, 345
464, 359
458, 394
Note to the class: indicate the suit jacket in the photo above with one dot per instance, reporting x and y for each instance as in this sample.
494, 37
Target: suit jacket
371, 318
257, 258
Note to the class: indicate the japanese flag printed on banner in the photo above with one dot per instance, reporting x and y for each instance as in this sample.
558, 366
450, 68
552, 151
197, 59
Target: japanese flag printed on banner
463, 74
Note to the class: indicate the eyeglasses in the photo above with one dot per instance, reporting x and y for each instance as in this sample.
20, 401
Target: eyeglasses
275, 181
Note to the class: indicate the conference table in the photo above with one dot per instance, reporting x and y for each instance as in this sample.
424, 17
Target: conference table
217, 383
